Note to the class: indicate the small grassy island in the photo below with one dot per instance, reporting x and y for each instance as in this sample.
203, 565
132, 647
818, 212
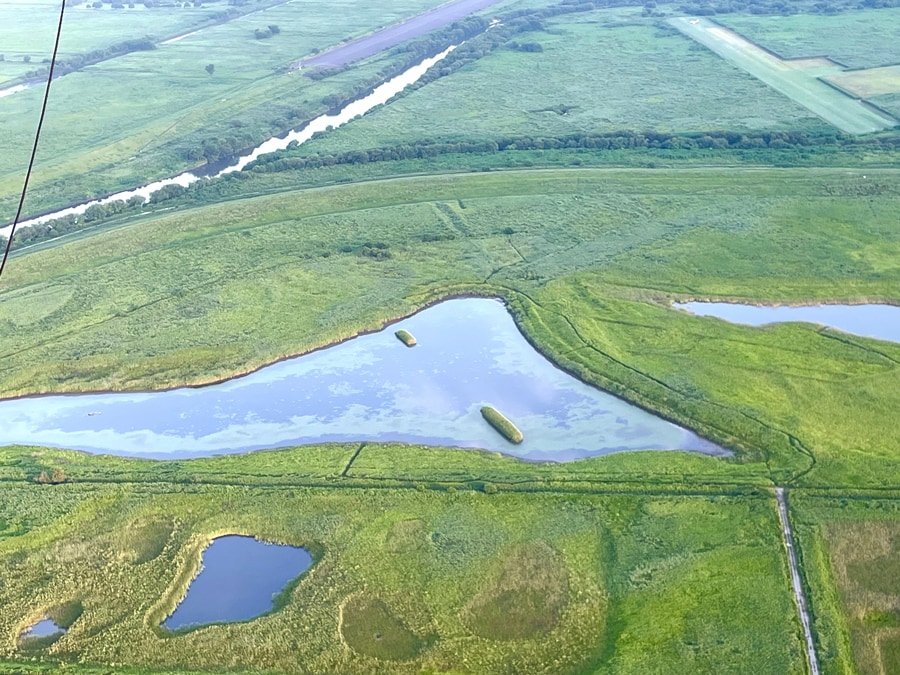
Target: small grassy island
506, 428
406, 338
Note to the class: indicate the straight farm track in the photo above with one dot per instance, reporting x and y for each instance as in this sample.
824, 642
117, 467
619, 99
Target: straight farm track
799, 80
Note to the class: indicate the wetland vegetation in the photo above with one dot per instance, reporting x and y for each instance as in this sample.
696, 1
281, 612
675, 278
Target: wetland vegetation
504, 427
406, 337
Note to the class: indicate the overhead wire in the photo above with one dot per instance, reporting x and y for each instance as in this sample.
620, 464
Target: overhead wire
37, 136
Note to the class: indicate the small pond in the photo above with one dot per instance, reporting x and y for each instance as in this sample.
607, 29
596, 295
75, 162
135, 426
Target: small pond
42, 629
872, 320
238, 581
372, 388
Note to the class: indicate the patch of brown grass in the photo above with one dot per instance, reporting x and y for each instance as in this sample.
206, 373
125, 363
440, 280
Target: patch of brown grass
866, 561
525, 599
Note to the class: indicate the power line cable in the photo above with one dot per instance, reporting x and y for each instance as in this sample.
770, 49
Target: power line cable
37, 136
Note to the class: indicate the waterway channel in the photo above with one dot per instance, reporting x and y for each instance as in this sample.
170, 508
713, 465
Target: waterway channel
372, 388
878, 321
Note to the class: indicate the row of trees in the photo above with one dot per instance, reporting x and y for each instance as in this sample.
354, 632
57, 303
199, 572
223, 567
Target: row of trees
779, 7
78, 61
207, 191
288, 160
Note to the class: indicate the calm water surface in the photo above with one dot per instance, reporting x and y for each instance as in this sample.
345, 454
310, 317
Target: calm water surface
238, 581
43, 628
371, 388
873, 320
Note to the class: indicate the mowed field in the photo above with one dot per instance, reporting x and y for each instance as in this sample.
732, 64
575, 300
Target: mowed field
599, 71
801, 84
860, 40
870, 82
126, 121
405, 580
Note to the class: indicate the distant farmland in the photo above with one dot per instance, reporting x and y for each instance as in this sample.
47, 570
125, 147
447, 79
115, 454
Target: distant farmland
871, 82
796, 79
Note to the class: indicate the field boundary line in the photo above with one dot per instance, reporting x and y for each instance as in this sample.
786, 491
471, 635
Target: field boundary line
799, 595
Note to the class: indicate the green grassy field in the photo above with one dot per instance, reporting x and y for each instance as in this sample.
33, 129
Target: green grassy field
588, 259
850, 553
638, 76
858, 39
436, 559
28, 29
799, 81
456, 581
124, 122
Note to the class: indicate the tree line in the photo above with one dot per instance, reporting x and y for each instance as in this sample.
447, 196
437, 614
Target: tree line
79, 61
202, 192
288, 160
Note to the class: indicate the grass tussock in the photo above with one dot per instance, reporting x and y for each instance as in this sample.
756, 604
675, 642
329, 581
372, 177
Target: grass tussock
504, 427
406, 338
369, 627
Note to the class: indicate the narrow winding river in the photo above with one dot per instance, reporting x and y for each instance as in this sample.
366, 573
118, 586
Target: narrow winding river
378, 96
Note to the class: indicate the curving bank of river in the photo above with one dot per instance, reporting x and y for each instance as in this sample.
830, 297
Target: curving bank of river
469, 354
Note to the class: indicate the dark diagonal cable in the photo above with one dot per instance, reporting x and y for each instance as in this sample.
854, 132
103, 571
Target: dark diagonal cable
37, 136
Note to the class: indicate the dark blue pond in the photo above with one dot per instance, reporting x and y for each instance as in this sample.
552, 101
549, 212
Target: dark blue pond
371, 388
873, 320
238, 581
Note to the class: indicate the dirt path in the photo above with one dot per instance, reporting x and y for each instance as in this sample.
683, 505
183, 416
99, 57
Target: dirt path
795, 581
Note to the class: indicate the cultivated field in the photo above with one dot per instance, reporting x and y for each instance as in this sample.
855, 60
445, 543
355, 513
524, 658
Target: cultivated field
801, 84
598, 71
870, 82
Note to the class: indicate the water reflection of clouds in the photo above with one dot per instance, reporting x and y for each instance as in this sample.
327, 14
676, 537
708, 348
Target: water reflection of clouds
371, 388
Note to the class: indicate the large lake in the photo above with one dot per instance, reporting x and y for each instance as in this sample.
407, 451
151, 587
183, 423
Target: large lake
238, 581
871, 320
372, 388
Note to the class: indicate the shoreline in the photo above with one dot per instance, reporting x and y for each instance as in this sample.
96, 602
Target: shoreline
719, 449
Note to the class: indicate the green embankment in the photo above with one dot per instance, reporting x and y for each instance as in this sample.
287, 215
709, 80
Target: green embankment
504, 427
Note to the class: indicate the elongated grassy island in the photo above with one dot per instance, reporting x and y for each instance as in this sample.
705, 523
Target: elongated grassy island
406, 338
506, 428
